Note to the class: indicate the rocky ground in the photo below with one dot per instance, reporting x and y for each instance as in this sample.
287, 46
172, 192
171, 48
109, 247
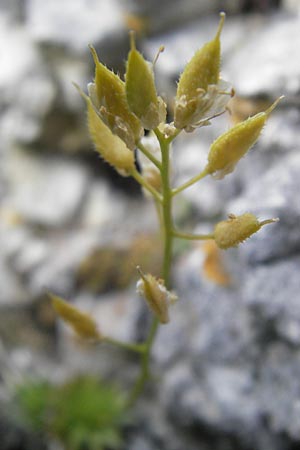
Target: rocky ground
228, 364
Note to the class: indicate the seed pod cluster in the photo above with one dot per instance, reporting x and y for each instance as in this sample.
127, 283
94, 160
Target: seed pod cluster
235, 230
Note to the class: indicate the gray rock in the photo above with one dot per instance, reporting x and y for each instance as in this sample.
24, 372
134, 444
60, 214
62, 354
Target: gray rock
27, 91
163, 15
292, 6
45, 191
275, 195
13, 9
72, 24
15, 436
265, 63
235, 367
272, 292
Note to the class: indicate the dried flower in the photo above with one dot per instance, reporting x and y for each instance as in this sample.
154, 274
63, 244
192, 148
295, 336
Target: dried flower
156, 295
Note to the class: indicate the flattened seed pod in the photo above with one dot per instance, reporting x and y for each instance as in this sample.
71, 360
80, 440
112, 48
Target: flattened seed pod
235, 230
140, 89
81, 322
112, 149
230, 147
111, 99
200, 72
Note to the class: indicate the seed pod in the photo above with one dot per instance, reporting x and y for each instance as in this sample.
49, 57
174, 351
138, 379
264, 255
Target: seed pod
111, 96
112, 149
81, 323
230, 147
201, 71
156, 295
235, 230
140, 89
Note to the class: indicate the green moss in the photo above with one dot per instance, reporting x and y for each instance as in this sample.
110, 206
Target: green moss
84, 414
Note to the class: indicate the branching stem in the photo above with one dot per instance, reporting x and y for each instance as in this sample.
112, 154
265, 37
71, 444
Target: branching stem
167, 227
137, 348
190, 182
192, 237
149, 155
138, 177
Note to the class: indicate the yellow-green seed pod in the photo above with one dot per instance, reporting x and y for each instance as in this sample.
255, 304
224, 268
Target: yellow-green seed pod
80, 322
156, 295
111, 95
235, 230
140, 89
230, 147
112, 149
200, 72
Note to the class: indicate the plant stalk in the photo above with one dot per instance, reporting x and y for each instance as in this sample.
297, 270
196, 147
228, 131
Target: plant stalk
167, 228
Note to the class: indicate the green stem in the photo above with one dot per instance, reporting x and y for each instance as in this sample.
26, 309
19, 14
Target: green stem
166, 203
166, 206
137, 348
144, 374
190, 182
138, 177
192, 237
152, 158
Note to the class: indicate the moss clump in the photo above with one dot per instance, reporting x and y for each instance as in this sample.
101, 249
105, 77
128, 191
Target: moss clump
84, 413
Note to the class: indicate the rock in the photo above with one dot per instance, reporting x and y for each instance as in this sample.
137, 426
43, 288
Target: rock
242, 354
272, 292
12, 287
45, 191
292, 6
13, 10
27, 91
72, 24
14, 436
274, 196
265, 64
158, 16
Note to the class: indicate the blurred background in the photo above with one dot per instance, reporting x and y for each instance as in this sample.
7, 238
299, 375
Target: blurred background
227, 367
